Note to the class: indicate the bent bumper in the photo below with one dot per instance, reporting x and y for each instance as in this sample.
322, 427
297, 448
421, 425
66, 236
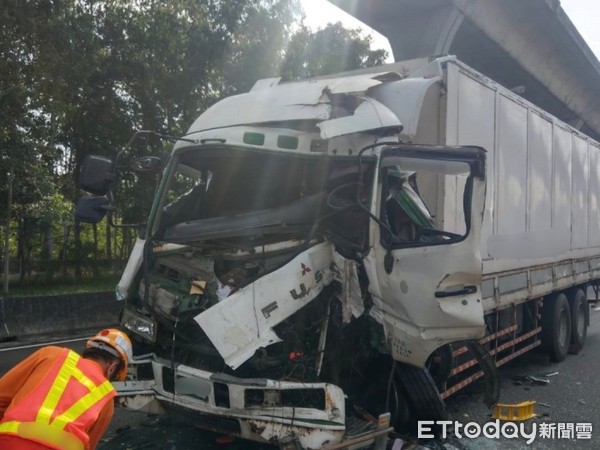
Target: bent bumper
263, 410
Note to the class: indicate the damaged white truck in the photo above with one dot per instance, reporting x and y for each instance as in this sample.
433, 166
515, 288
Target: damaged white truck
325, 251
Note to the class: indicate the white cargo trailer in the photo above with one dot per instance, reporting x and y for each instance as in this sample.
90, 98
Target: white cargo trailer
323, 251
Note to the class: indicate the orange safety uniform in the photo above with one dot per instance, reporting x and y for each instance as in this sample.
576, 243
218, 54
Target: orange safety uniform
54, 399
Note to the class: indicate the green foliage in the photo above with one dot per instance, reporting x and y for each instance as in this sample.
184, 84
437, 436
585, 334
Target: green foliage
329, 50
103, 284
78, 77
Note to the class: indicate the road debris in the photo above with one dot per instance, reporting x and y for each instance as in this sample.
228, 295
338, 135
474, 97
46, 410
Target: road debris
530, 379
550, 374
514, 412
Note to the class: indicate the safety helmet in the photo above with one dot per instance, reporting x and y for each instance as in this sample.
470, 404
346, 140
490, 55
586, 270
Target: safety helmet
116, 343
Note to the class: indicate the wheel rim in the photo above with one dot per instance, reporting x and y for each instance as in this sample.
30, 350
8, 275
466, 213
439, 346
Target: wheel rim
563, 328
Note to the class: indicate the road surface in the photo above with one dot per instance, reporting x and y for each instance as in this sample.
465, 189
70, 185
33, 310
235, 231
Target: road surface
571, 397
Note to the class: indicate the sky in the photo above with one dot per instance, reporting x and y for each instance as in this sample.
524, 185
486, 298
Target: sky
585, 15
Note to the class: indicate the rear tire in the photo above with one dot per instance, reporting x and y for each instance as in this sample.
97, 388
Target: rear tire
579, 320
556, 326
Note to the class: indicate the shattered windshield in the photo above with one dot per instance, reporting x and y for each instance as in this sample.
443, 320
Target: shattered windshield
249, 196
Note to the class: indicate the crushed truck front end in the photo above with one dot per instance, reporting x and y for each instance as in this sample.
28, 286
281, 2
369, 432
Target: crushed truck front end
271, 411
274, 294
235, 293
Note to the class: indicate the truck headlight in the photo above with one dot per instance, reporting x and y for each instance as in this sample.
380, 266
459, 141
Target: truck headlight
140, 325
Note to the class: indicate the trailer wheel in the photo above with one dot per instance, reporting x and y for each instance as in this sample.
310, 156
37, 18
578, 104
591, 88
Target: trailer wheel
423, 397
556, 326
579, 320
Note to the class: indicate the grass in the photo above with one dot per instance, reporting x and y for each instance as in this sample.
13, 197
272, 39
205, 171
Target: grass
64, 288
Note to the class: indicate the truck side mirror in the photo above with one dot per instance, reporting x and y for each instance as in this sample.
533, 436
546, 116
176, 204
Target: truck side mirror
92, 209
96, 175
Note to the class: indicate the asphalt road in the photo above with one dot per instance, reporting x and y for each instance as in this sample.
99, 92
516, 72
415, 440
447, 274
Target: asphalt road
571, 397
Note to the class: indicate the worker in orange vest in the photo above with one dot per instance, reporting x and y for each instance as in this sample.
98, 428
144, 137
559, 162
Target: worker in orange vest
56, 399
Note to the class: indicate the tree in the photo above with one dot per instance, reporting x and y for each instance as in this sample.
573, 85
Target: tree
328, 50
95, 70
79, 76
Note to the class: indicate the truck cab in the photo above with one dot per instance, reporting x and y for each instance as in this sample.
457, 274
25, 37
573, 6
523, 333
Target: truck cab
302, 262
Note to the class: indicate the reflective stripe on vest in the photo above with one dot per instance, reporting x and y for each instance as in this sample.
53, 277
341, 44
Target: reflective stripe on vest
44, 434
48, 430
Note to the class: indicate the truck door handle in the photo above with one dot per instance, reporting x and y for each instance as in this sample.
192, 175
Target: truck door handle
465, 290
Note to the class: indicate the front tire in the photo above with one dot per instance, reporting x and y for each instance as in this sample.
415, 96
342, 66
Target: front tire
556, 326
419, 389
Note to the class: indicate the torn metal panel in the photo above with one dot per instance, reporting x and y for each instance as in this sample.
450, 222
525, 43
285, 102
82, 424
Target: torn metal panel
359, 83
369, 116
377, 310
351, 297
299, 101
242, 323
295, 102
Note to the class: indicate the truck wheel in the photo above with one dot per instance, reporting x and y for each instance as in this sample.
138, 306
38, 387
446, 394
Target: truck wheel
440, 365
420, 391
579, 319
556, 326
400, 409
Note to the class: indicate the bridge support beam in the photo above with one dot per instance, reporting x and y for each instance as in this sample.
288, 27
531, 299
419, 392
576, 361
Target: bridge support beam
518, 43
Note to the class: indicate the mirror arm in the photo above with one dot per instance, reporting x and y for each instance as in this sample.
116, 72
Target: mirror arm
128, 146
145, 133
110, 209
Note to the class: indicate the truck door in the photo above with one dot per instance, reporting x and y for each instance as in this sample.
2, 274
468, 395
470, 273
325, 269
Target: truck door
424, 266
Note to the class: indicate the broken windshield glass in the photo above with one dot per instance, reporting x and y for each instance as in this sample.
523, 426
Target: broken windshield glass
255, 196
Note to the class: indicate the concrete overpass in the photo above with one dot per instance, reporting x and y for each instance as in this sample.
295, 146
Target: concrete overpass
529, 44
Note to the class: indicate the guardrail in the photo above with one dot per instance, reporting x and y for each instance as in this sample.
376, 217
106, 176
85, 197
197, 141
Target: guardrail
23, 318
